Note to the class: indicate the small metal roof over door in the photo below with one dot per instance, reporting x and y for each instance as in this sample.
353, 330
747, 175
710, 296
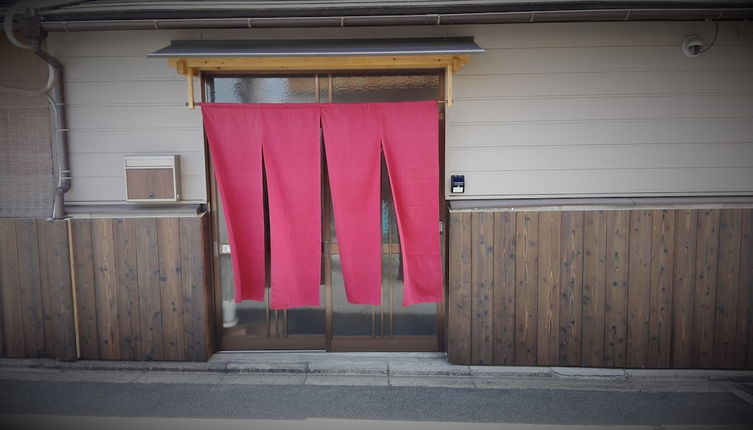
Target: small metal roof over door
318, 48
190, 57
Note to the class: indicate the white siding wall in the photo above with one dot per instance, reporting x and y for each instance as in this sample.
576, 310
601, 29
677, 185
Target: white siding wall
603, 109
590, 109
121, 103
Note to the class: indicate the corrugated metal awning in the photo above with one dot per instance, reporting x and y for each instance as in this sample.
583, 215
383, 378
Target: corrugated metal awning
317, 48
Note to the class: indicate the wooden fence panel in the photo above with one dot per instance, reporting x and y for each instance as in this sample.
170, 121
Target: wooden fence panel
13, 329
482, 290
86, 298
2, 324
683, 287
639, 288
55, 274
150, 303
571, 289
30, 287
168, 233
619, 288
526, 287
548, 307
660, 301
615, 297
504, 288
47, 302
121, 268
460, 314
744, 342
728, 280
594, 287
106, 288
124, 238
704, 314
196, 302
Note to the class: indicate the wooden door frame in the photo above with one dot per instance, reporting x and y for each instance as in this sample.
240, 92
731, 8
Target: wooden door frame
328, 341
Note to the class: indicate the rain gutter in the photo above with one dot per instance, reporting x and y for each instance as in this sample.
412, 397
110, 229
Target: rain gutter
637, 14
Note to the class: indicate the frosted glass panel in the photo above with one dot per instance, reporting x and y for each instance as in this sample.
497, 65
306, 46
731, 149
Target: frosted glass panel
262, 89
390, 88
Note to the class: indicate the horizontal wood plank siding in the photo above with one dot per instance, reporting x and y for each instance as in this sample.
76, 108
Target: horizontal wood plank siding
128, 273
663, 288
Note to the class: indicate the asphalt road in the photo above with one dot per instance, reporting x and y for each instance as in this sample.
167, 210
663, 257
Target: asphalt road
368, 403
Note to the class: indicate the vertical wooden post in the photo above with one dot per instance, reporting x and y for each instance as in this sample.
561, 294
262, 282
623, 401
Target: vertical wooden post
189, 81
72, 264
448, 84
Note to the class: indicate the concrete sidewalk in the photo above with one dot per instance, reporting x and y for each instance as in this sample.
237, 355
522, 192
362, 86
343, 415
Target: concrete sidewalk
373, 364
377, 369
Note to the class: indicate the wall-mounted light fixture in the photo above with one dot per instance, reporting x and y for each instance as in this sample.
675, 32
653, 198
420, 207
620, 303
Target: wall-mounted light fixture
693, 46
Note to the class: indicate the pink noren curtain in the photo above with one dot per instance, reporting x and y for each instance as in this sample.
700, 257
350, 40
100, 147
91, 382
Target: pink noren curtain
288, 138
234, 134
354, 134
410, 133
351, 142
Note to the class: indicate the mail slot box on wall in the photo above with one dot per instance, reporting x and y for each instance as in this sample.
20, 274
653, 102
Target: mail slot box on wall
152, 178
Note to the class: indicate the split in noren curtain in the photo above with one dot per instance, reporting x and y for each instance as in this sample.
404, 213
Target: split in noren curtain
410, 134
351, 142
407, 133
288, 137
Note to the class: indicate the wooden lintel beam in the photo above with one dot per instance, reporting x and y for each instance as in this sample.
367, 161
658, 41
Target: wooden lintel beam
318, 63
191, 67
448, 84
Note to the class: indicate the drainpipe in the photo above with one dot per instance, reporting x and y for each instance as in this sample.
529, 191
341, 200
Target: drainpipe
61, 130
32, 29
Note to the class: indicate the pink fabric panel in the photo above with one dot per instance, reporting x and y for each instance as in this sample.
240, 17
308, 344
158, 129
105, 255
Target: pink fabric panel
351, 139
292, 147
234, 136
409, 140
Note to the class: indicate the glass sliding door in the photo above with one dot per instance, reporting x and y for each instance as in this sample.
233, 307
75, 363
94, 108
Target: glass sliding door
337, 324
